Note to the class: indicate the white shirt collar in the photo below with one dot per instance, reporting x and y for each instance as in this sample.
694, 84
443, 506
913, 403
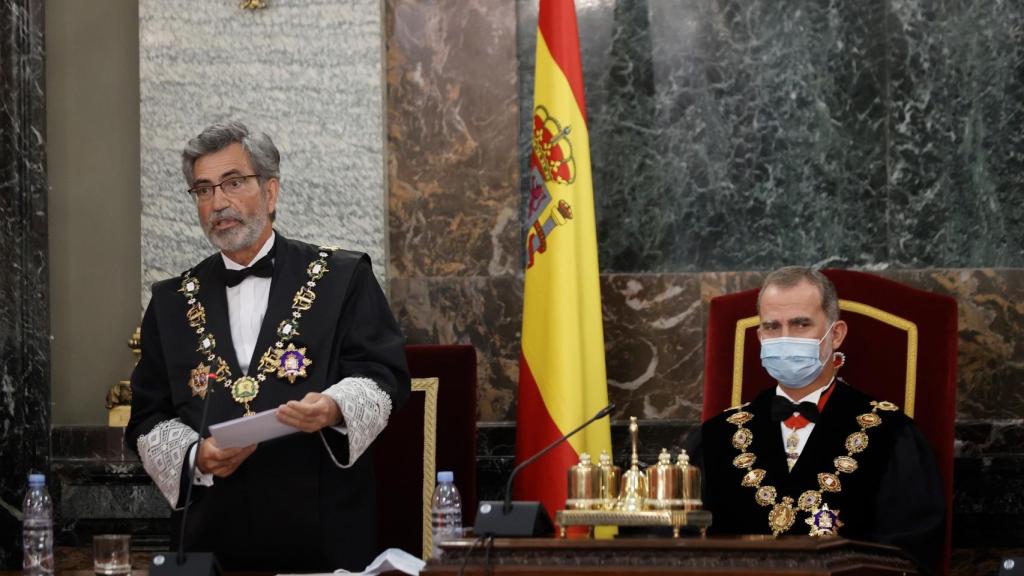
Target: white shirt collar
232, 265
812, 397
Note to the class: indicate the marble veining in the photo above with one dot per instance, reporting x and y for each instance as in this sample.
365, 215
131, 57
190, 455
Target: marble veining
453, 201
307, 73
24, 291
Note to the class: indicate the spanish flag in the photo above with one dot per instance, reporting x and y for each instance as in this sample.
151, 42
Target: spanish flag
561, 366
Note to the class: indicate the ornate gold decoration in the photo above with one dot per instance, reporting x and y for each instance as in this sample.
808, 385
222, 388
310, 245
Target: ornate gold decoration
782, 516
869, 420
845, 464
823, 522
744, 460
245, 390
753, 478
740, 418
829, 482
765, 495
290, 362
885, 405
857, 442
199, 380
253, 4
809, 500
742, 438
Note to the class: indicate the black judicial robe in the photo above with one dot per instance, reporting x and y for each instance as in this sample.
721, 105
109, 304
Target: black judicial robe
288, 506
894, 497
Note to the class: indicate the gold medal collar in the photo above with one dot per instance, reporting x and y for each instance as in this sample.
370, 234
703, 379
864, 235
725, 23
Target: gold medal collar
288, 362
822, 520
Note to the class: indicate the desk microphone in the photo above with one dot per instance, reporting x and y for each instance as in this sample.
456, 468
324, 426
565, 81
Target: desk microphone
510, 518
195, 563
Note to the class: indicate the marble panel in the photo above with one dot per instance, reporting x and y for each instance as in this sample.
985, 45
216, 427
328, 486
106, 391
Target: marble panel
956, 159
714, 124
483, 311
654, 344
307, 73
990, 359
453, 202
24, 290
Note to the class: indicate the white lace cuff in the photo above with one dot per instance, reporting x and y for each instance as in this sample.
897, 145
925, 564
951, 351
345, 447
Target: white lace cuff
163, 451
366, 409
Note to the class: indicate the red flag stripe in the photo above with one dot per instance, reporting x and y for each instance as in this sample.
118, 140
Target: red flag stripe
537, 430
556, 22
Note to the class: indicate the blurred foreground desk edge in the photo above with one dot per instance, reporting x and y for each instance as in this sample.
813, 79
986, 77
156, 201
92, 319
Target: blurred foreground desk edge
637, 556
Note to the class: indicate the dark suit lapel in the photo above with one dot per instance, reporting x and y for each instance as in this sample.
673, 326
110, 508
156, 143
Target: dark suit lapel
288, 276
213, 295
771, 455
817, 455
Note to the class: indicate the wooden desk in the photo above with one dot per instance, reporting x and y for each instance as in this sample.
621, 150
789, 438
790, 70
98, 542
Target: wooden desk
790, 556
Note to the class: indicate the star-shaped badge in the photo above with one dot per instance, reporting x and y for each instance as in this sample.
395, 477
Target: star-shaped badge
291, 363
824, 522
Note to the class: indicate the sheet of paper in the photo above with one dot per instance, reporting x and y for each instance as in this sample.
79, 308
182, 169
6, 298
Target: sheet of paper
250, 430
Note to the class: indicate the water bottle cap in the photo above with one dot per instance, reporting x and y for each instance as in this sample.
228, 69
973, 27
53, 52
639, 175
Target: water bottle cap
36, 479
445, 476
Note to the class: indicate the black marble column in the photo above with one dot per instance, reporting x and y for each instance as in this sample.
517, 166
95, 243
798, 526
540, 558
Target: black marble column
24, 317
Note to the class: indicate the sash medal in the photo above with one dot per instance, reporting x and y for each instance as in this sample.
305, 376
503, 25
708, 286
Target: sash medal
283, 358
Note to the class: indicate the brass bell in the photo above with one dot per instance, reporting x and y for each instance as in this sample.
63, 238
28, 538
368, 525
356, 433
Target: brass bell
633, 496
664, 484
610, 475
584, 485
689, 482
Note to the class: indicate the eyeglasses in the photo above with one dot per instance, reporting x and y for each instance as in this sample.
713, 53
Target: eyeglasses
231, 187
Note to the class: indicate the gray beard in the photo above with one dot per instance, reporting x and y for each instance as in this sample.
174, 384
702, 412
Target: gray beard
238, 238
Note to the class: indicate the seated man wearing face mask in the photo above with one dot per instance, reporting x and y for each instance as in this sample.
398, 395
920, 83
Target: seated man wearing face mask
814, 455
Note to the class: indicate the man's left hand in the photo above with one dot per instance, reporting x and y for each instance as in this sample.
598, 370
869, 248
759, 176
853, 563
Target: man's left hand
312, 413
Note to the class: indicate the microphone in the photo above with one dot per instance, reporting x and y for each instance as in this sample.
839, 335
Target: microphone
523, 518
196, 563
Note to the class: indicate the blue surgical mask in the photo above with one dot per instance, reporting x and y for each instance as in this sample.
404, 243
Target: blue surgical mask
794, 362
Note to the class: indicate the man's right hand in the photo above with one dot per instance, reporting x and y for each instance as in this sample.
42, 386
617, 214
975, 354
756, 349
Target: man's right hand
221, 462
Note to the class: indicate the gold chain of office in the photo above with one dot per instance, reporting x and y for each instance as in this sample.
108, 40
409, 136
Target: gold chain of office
282, 358
822, 520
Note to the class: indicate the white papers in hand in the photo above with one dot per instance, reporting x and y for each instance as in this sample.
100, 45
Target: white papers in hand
388, 560
250, 430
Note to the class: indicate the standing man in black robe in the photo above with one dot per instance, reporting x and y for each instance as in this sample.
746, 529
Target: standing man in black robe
814, 455
266, 323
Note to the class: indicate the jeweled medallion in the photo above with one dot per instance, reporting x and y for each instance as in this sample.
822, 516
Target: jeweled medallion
745, 460
740, 418
199, 380
742, 438
845, 464
809, 500
189, 287
869, 420
291, 363
317, 269
824, 522
288, 329
765, 495
244, 390
885, 405
206, 343
856, 442
782, 516
829, 482
753, 478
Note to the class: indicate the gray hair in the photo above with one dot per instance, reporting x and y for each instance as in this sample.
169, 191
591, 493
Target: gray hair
790, 276
263, 155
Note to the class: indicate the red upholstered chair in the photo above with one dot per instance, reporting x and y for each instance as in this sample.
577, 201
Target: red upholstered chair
901, 347
434, 430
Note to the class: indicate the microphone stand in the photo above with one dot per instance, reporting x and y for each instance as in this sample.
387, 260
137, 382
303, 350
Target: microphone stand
524, 518
195, 563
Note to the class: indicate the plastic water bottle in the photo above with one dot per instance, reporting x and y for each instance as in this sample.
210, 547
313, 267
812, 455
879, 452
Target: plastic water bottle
446, 511
37, 529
